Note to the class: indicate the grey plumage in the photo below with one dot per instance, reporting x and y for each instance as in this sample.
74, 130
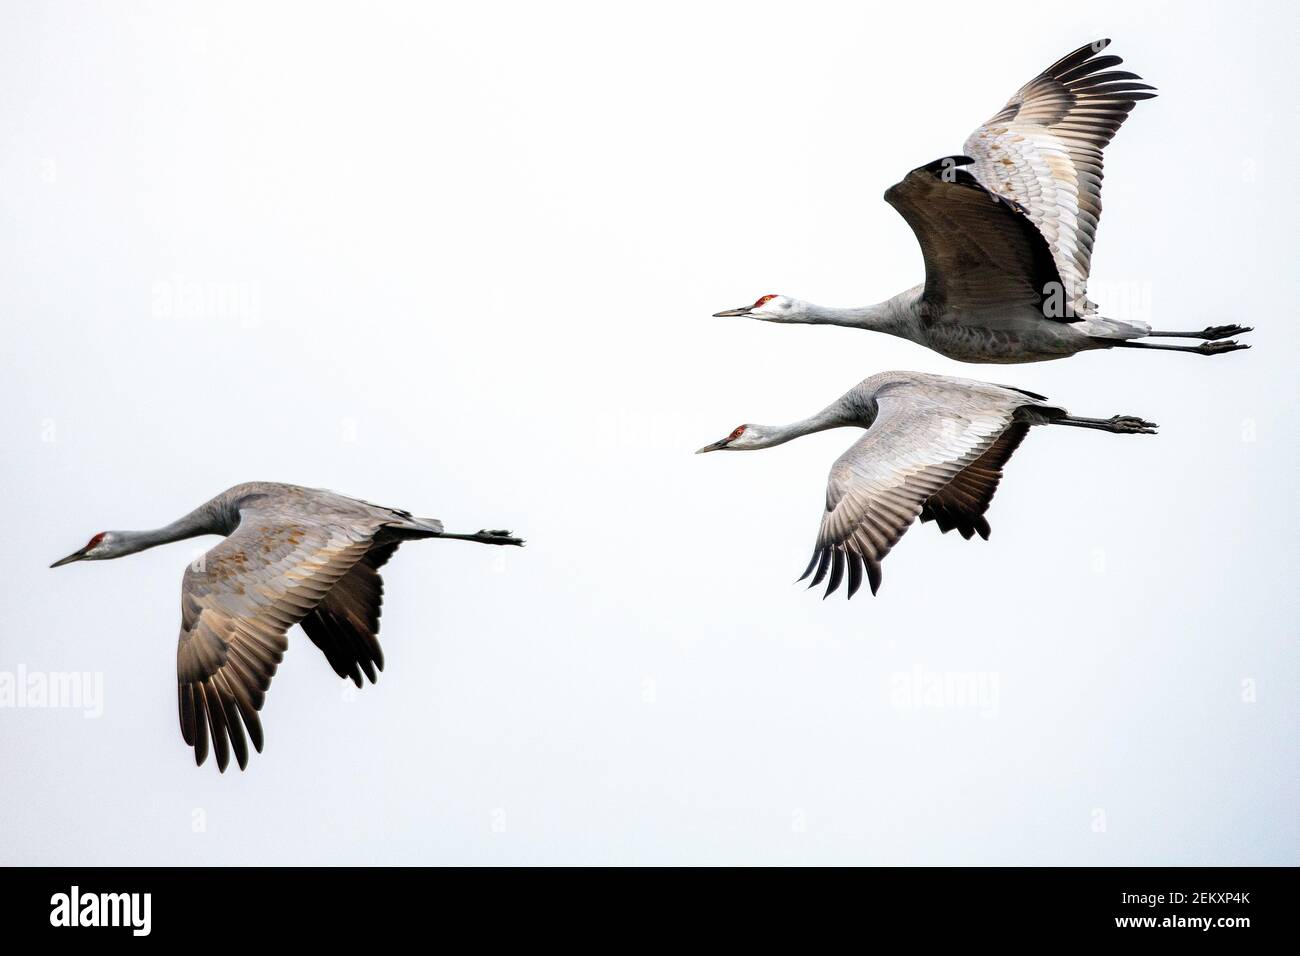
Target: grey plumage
291, 555
934, 448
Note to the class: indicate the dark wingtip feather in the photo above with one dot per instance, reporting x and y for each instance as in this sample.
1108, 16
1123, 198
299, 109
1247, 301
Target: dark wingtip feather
822, 565
200, 742
873, 574
239, 744
837, 572
217, 720
855, 573
1087, 68
811, 564
1075, 57
254, 725
235, 727
185, 694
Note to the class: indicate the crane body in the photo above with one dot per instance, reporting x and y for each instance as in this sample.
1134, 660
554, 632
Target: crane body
934, 448
291, 555
1006, 231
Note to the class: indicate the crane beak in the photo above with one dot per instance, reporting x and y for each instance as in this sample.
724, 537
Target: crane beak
728, 313
716, 446
74, 556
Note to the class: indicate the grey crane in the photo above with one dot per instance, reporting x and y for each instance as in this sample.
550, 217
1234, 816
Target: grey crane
292, 555
1007, 230
934, 448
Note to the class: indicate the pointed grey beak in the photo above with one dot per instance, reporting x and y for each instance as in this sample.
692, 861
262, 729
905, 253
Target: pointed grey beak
728, 313
717, 445
74, 556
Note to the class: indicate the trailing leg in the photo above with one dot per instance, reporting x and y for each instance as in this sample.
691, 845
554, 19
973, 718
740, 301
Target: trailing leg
486, 537
1213, 332
1119, 424
1205, 348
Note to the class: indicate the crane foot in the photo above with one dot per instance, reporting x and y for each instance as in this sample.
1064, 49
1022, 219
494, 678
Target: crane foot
1224, 331
1217, 348
1131, 425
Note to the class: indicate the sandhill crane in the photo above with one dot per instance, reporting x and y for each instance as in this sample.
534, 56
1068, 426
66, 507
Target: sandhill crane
291, 556
1006, 232
934, 447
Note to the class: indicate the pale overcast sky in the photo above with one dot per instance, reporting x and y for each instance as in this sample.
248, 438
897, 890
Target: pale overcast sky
461, 259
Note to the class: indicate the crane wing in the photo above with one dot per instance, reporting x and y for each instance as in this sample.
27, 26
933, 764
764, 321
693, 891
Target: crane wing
1044, 151
962, 502
933, 453
237, 602
345, 625
980, 250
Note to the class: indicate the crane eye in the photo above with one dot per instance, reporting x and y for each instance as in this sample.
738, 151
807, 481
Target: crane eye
737, 433
763, 300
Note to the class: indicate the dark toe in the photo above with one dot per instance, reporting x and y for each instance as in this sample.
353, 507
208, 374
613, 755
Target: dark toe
1226, 331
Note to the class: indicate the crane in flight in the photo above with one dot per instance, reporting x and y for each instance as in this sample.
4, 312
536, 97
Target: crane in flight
1006, 232
934, 448
291, 556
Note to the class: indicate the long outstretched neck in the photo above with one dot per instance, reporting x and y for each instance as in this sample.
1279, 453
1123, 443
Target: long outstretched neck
836, 416
896, 316
193, 525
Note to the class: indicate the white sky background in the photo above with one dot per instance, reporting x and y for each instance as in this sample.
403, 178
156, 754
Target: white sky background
479, 247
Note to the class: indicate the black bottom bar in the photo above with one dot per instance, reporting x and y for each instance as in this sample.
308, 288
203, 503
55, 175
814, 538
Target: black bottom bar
1172, 906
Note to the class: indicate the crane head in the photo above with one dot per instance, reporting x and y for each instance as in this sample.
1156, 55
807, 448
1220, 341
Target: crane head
743, 438
97, 547
768, 308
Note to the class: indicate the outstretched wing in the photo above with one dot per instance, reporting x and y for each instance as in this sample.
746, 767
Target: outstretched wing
237, 602
980, 251
923, 440
1043, 150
